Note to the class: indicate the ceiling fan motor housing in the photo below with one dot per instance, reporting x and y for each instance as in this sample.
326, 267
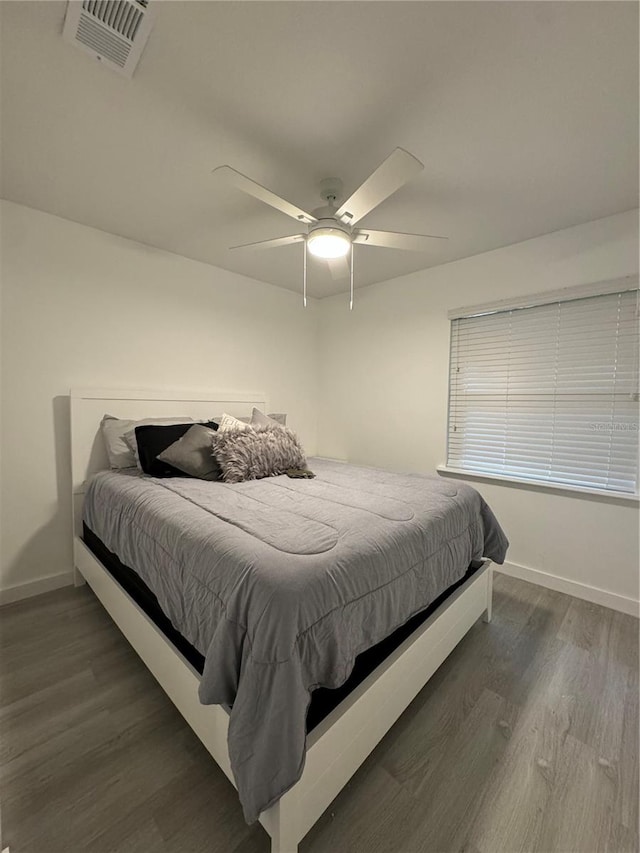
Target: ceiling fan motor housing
332, 223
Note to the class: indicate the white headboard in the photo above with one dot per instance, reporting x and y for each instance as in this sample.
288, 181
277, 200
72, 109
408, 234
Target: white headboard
88, 405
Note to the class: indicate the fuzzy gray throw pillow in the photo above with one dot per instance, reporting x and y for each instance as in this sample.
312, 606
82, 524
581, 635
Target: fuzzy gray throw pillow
264, 451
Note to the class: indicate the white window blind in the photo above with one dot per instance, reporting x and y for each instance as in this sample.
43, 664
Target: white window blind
548, 393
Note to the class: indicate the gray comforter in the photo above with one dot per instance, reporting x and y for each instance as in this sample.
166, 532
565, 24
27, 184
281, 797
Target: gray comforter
280, 583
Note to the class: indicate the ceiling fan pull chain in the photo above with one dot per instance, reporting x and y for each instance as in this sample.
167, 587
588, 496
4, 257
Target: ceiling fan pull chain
304, 273
351, 282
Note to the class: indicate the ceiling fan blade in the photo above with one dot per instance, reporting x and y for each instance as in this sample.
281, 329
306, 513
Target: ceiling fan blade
339, 268
396, 170
237, 179
272, 244
397, 240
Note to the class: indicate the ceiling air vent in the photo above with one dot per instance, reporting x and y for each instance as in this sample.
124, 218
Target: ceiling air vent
112, 31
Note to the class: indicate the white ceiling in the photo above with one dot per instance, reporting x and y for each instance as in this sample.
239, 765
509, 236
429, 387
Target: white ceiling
524, 114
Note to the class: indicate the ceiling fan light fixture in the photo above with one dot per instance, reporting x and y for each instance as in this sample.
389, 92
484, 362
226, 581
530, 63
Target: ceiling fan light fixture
328, 243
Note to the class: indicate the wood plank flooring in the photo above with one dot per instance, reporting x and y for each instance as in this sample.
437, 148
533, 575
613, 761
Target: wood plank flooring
526, 739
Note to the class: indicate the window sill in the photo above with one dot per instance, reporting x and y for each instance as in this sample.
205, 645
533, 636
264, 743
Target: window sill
576, 491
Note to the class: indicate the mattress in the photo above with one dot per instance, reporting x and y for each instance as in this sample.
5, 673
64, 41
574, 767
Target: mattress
280, 584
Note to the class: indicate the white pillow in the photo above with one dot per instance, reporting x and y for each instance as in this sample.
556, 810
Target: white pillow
115, 432
229, 423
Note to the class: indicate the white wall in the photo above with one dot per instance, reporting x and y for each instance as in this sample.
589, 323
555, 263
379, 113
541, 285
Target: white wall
84, 308
383, 397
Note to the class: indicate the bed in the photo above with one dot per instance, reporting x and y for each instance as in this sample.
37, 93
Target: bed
278, 608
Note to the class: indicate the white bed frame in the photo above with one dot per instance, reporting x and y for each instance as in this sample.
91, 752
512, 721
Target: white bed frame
339, 745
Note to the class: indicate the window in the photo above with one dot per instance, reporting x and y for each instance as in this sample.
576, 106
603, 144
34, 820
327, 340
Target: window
548, 392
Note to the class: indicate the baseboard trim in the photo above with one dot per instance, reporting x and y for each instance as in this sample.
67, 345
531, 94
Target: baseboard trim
36, 587
579, 590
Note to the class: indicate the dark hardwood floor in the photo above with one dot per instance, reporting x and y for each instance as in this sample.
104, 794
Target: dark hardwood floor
526, 739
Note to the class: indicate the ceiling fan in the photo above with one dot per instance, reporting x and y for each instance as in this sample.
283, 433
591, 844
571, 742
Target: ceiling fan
331, 233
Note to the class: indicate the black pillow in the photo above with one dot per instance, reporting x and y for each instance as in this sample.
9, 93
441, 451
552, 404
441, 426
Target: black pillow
153, 439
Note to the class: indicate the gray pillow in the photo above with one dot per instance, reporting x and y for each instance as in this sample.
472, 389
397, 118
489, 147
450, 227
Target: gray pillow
275, 416
278, 417
114, 433
192, 454
259, 418
264, 451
